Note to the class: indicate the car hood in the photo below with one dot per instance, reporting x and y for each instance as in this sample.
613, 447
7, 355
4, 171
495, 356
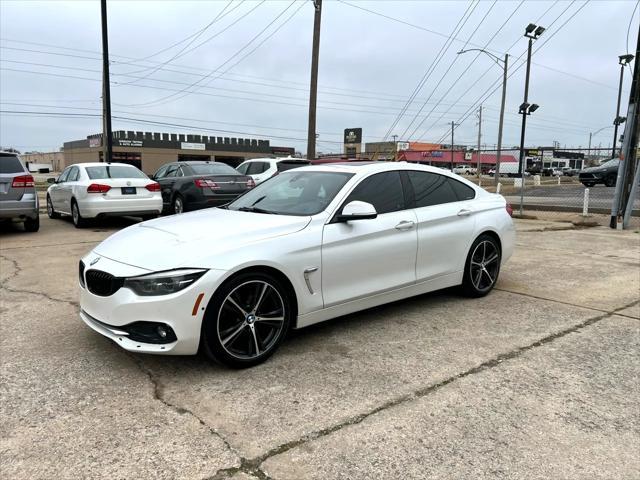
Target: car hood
194, 239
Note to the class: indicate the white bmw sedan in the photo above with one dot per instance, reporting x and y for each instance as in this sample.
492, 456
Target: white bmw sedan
308, 245
90, 190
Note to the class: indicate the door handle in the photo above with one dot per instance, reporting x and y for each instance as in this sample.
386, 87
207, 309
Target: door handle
464, 212
405, 225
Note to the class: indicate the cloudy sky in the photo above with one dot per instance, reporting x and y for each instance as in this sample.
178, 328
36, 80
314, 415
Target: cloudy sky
218, 67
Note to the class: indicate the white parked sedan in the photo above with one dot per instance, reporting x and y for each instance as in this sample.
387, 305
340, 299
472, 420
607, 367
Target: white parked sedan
310, 244
90, 190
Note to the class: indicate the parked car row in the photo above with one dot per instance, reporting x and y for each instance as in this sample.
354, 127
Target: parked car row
87, 191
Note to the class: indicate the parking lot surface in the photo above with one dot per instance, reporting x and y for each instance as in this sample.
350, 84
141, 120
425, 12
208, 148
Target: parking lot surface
537, 380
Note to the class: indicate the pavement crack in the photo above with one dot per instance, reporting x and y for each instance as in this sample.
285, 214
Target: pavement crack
16, 273
246, 466
429, 389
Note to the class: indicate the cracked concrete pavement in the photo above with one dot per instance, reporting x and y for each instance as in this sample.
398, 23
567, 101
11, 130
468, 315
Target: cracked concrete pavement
537, 380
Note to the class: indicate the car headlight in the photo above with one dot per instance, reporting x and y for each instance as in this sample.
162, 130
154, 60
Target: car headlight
163, 283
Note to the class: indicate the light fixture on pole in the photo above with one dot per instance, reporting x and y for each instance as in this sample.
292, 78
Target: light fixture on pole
505, 65
532, 32
623, 60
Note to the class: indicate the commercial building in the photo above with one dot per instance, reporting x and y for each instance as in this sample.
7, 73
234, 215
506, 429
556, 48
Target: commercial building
149, 151
37, 161
442, 158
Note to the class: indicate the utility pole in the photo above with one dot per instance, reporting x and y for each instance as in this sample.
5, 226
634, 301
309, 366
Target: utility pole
504, 94
107, 138
453, 127
313, 92
479, 168
629, 167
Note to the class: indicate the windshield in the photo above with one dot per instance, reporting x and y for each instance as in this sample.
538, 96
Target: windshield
293, 193
212, 169
113, 171
611, 163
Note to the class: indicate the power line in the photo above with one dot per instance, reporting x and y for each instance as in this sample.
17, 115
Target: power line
460, 76
197, 34
181, 51
185, 91
463, 19
629, 28
496, 85
384, 110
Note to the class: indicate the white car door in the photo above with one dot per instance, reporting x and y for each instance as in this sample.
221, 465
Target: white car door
66, 189
55, 193
364, 257
446, 222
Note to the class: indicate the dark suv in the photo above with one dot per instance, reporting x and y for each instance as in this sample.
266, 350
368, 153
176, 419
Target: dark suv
606, 173
18, 197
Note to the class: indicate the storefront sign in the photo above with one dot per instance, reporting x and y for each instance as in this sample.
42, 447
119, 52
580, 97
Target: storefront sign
130, 143
353, 135
95, 142
192, 146
402, 146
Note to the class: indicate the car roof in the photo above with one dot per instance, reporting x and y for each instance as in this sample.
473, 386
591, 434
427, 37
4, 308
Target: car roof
200, 162
362, 169
100, 164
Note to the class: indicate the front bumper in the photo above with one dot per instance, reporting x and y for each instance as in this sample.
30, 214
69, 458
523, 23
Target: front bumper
124, 307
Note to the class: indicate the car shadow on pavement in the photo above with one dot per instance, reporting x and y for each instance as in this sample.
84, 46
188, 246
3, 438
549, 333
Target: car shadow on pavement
307, 339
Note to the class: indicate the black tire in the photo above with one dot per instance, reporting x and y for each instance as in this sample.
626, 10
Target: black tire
177, 205
246, 330
482, 267
32, 224
588, 184
77, 219
50, 211
610, 181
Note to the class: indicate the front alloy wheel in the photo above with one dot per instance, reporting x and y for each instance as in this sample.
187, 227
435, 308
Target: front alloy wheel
246, 320
482, 266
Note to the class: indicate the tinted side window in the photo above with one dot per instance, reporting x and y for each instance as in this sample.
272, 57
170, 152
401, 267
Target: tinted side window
462, 191
257, 167
431, 189
382, 190
162, 172
171, 171
243, 168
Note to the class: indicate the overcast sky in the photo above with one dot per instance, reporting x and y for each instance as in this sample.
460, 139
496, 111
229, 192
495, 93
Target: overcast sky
369, 66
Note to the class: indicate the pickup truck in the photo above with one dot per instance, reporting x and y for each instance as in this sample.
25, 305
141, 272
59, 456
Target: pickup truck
465, 170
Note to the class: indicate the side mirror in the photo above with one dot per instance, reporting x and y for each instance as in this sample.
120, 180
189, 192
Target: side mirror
357, 210
51, 180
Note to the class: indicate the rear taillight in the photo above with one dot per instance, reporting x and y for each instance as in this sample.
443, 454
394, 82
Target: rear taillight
206, 183
509, 209
98, 188
251, 183
153, 187
22, 181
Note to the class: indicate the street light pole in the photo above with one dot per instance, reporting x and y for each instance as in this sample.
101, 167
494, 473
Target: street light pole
453, 127
505, 65
532, 32
615, 122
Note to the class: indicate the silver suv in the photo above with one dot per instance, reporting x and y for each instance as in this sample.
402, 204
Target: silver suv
18, 197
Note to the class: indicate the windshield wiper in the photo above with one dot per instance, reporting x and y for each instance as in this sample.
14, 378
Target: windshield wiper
256, 210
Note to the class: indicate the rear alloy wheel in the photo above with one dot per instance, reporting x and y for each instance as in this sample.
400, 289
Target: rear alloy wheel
482, 267
32, 224
50, 211
78, 221
610, 181
246, 320
177, 206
